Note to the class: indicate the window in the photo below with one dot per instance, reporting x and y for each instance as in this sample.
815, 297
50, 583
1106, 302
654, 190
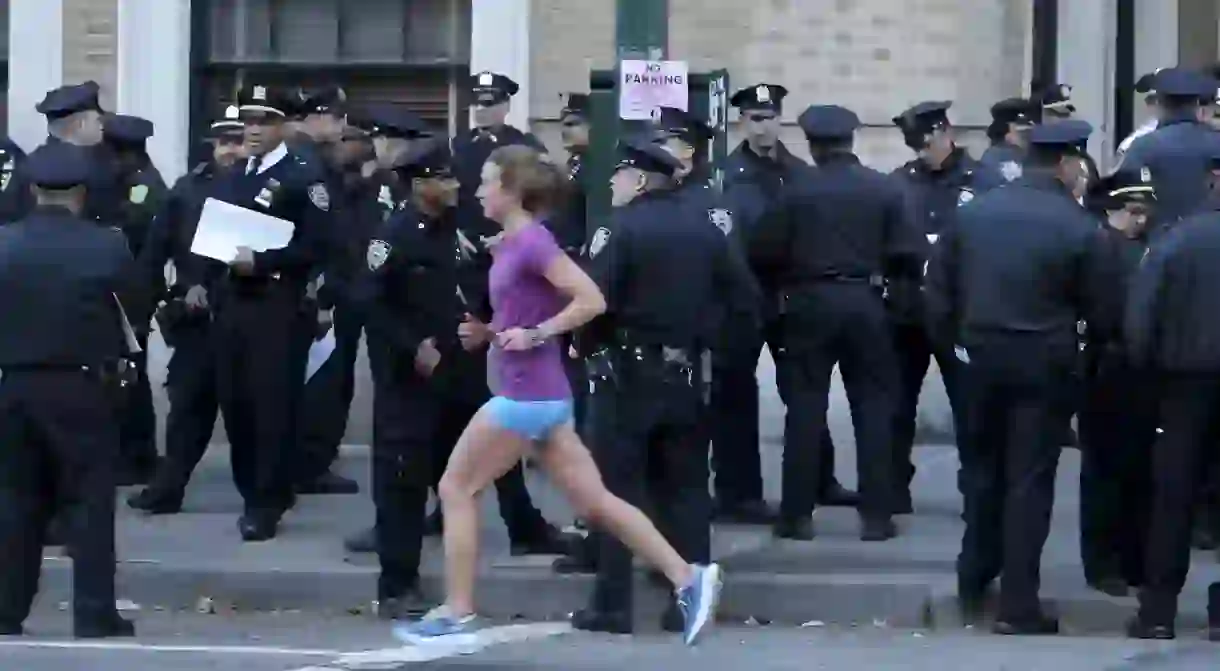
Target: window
380, 32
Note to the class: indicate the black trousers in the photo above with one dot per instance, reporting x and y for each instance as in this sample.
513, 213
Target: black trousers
1009, 458
138, 427
914, 352
190, 383
1188, 416
1117, 431
736, 458
844, 324
327, 399
261, 371
650, 443
60, 436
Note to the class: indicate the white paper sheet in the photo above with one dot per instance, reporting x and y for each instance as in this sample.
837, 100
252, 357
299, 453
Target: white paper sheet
223, 227
129, 334
319, 353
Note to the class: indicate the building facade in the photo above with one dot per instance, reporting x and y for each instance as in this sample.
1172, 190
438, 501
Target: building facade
171, 60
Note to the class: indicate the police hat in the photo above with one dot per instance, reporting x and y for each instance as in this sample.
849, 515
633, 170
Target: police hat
126, 129
647, 156
576, 105
227, 121
58, 165
1057, 98
1147, 82
260, 100
1184, 83
1020, 111
354, 134
760, 97
432, 158
924, 118
492, 88
327, 100
68, 100
389, 120
672, 122
828, 122
1114, 191
1065, 135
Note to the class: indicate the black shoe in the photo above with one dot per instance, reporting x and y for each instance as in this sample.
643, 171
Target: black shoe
799, 529
434, 524
258, 527
1213, 612
672, 619
903, 504
111, 626
410, 604
10, 629
1037, 626
745, 512
972, 606
877, 529
1137, 628
1202, 538
329, 483
361, 542
546, 541
156, 501
606, 622
56, 535
1111, 585
838, 496
574, 565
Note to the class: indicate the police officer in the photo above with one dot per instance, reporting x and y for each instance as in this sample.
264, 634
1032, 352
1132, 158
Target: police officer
1118, 420
1056, 102
833, 237
1172, 331
328, 393
574, 119
259, 313
59, 277
648, 397
1006, 287
74, 116
1179, 151
493, 95
1000, 164
185, 318
939, 180
15, 197
125, 140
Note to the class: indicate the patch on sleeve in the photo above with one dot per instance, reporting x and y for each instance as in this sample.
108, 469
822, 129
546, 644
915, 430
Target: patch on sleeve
600, 238
319, 196
964, 196
378, 253
1010, 170
722, 219
138, 194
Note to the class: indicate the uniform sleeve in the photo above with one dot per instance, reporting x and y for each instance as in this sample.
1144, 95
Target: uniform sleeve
941, 292
533, 141
158, 247
1142, 311
308, 246
767, 244
736, 288
904, 246
1101, 281
607, 261
373, 287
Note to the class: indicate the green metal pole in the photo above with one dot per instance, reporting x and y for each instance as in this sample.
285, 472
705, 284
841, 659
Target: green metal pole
641, 32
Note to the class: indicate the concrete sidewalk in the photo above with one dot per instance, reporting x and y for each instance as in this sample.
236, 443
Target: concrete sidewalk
183, 561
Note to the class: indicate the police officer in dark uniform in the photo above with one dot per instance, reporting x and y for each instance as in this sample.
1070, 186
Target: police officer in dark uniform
571, 230
834, 236
1179, 151
1118, 418
493, 94
74, 115
1056, 101
125, 141
1171, 330
15, 197
59, 278
1005, 288
939, 180
260, 317
1001, 163
185, 317
649, 391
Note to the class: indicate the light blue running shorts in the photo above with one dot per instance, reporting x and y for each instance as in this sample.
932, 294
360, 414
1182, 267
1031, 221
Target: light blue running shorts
532, 419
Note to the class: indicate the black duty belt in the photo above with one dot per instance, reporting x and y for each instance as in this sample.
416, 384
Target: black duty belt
835, 277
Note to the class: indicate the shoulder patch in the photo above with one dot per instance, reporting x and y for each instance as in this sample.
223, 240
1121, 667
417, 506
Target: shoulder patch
378, 252
964, 196
600, 237
721, 218
319, 196
1010, 170
138, 194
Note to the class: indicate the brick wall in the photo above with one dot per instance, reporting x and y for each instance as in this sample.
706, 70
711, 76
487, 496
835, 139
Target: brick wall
90, 44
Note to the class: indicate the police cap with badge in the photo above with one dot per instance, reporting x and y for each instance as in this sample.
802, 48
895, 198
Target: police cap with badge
226, 124
390, 120
430, 159
760, 98
671, 122
71, 99
1062, 137
920, 121
492, 88
1020, 112
126, 131
330, 100
259, 103
1181, 85
575, 109
1123, 187
57, 166
646, 156
1056, 101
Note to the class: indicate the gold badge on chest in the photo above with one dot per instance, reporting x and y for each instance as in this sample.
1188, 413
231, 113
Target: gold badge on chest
266, 196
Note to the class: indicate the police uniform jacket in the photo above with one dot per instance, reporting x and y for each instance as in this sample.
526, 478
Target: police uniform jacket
173, 230
1171, 321
146, 192
59, 276
570, 226
106, 193
422, 276
281, 185
470, 152
15, 197
1022, 260
668, 278
357, 215
1179, 154
1000, 164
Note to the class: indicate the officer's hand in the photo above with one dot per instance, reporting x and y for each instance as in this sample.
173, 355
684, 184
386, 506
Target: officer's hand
427, 357
517, 339
243, 263
196, 298
473, 333
326, 319
572, 353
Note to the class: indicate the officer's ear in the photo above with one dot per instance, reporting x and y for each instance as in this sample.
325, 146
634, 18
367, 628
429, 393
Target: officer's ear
641, 181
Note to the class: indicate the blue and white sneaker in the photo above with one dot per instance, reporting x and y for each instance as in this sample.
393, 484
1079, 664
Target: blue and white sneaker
698, 601
438, 627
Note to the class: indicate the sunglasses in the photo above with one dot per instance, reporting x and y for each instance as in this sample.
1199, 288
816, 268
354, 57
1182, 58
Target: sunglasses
759, 118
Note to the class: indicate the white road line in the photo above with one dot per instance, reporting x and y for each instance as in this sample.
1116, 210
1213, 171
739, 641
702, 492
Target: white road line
146, 647
485, 638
